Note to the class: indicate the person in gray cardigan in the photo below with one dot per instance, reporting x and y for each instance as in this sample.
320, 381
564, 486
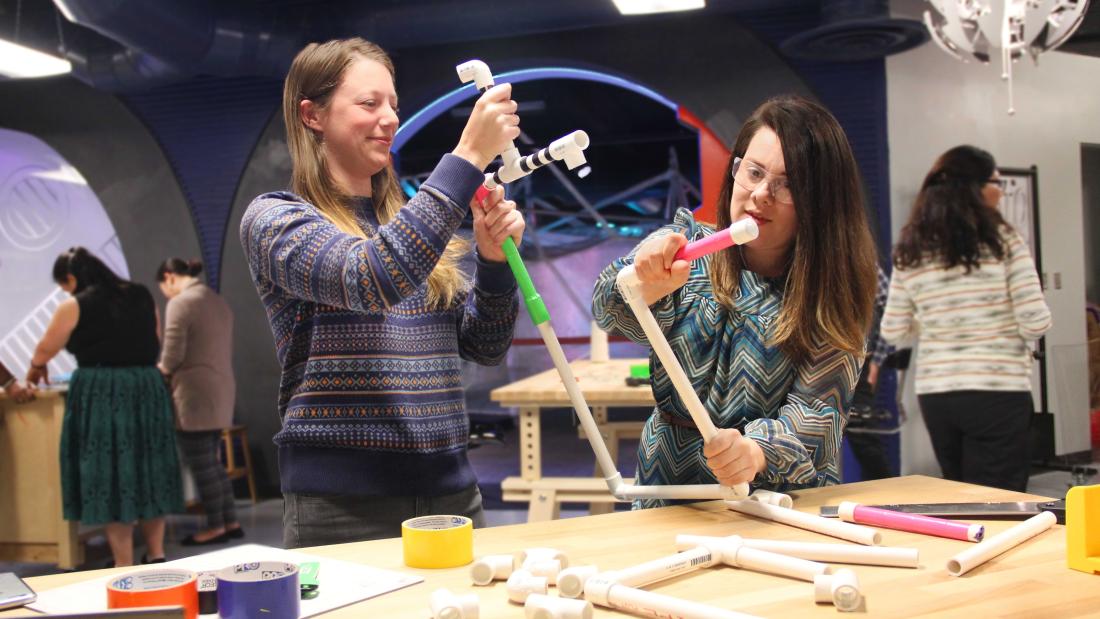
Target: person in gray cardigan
196, 357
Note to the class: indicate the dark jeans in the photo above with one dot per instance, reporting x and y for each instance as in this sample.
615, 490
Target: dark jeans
868, 448
319, 520
981, 437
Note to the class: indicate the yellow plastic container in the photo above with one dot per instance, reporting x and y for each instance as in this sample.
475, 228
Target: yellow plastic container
1083, 529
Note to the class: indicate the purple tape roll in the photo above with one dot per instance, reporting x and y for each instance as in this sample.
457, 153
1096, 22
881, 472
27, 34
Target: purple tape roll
267, 589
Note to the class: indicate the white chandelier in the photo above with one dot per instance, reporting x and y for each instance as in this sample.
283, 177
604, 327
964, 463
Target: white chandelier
974, 28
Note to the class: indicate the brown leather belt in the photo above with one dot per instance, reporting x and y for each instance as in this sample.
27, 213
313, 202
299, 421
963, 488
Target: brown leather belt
678, 421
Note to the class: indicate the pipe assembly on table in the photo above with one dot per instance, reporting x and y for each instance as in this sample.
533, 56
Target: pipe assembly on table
813, 551
1002, 542
810, 522
570, 150
849, 511
604, 590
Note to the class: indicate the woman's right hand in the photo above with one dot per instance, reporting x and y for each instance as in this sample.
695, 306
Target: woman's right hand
659, 272
37, 374
493, 124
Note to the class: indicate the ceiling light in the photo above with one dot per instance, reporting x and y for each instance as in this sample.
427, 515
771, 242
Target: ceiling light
17, 61
980, 29
642, 7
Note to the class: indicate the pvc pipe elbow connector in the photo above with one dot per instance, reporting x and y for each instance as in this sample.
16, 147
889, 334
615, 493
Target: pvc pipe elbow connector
841, 589
540, 606
527, 555
545, 568
476, 71
491, 567
446, 605
571, 580
772, 498
570, 149
522, 584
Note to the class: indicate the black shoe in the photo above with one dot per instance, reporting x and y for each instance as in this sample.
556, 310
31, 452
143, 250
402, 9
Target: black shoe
237, 533
145, 560
217, 539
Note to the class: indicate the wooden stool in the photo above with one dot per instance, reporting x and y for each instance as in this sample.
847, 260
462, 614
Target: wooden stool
231, 468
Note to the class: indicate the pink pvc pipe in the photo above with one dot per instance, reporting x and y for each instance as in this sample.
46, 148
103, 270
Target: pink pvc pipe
913, 523
719, 240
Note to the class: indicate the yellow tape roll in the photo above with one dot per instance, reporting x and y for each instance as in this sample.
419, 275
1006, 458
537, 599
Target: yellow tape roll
438, 541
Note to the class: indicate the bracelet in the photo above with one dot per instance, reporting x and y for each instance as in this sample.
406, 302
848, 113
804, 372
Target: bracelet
10, 382
39, 367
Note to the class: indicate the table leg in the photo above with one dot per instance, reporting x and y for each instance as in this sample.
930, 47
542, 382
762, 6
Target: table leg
544, 506
530, 448
599, 413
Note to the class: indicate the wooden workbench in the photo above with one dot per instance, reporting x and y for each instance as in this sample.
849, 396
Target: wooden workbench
1028, 581
603, 384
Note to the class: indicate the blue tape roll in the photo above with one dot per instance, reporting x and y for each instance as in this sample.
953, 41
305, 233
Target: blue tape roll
267, 589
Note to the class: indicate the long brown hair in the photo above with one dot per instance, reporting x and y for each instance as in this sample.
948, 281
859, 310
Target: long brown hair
315, 74
950, 220
829, 295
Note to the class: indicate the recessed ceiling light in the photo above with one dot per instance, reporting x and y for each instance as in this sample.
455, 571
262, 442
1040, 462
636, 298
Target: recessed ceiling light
642, 7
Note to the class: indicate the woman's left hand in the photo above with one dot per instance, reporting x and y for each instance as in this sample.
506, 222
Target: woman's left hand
494, 221
733, 458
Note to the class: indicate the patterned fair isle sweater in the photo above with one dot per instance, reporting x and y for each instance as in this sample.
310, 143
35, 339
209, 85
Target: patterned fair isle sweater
973, 327
370, 394
795, 412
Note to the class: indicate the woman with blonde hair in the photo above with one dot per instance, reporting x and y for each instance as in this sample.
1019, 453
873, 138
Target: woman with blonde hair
771, 333
368, 307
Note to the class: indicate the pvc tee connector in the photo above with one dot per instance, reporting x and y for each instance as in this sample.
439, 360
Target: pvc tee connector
540, 606
840, 589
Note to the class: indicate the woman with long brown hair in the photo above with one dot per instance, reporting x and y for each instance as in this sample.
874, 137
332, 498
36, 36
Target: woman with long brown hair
965, 285
771, 332
369, 310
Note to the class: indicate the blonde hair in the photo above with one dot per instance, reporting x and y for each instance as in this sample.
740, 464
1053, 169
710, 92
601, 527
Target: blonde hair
829, 295
315, 74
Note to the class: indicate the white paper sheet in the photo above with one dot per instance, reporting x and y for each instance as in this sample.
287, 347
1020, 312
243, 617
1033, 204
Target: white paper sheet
342, 582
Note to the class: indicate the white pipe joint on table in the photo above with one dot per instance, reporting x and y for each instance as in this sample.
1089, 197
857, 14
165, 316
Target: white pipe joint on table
548, 569
540, 606
447, 605
491, 567
630, 286
604, 590
527, 555
826, 526
736, 554
840, 589
571, 580
1002, 542
522, 584
813, 551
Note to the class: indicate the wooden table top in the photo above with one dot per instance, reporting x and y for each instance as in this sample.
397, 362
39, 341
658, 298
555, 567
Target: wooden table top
603, 383
1028, 581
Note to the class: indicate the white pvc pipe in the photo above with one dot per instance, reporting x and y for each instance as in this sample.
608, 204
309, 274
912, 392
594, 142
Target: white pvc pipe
810, 522
540, 606
667, 567
827, 553
571, 580
604, 591
840, 589
993, 546
446, 605
739, 555
491, 567
522, 584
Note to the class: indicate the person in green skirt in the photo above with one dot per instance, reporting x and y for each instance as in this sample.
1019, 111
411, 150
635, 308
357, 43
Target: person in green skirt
118, 443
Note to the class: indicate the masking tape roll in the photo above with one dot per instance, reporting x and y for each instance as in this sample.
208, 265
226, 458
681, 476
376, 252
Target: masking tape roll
159, 587
438, 541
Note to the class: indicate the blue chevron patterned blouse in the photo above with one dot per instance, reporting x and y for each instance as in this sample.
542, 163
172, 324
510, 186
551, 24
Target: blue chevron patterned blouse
796, 413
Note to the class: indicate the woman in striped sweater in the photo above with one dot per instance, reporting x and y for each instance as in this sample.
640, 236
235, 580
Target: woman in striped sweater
965, 285
368, 308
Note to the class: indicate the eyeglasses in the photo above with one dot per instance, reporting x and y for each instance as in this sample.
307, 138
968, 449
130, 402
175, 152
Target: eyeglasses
749, 176
999, 182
